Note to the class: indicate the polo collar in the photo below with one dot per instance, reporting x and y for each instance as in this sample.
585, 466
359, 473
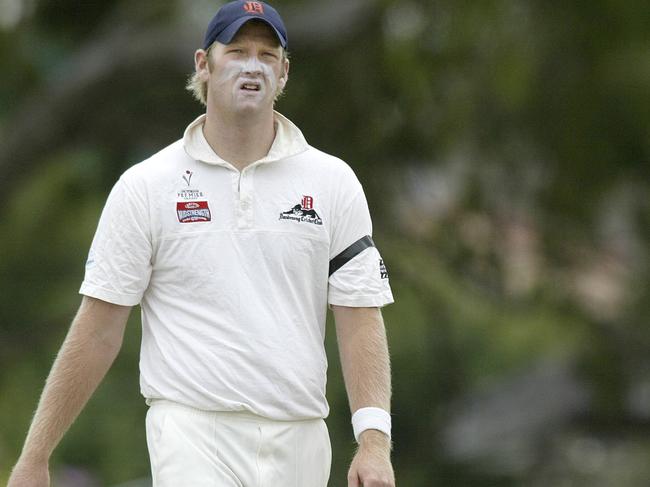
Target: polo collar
288, 142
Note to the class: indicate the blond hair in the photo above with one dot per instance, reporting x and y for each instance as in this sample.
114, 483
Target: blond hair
199, 88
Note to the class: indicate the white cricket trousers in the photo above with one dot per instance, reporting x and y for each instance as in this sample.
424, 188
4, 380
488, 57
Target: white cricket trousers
193, 448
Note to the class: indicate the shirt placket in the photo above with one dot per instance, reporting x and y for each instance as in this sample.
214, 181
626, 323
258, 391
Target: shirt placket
244, 198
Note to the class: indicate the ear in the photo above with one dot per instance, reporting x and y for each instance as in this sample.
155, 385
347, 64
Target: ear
284, 77
201, 64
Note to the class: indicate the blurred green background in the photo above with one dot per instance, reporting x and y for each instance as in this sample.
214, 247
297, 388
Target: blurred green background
504, 147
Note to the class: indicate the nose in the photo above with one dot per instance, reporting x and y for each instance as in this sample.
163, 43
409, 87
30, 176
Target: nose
252, 66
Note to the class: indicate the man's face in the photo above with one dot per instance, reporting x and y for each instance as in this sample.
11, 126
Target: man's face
246, 75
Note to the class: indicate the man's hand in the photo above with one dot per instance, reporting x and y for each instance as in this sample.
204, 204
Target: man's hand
30, 474
371, 466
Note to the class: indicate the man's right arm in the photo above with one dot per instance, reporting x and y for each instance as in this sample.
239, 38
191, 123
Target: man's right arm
89, 349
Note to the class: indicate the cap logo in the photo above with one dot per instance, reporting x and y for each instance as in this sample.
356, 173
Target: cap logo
254, 8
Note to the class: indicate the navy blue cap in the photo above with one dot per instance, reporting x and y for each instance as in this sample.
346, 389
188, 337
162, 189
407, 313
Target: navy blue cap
229, 19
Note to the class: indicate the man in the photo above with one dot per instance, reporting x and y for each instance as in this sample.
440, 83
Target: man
233, 240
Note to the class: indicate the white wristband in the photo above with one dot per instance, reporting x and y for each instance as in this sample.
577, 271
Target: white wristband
370, 419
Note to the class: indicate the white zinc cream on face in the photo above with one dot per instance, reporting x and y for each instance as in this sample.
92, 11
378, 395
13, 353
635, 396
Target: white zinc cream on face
237, 71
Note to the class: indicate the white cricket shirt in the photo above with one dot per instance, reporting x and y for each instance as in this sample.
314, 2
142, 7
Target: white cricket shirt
234, 270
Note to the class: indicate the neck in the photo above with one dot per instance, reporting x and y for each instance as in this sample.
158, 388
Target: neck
239, 139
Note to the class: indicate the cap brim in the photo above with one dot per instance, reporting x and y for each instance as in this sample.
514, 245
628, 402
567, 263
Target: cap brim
226, 35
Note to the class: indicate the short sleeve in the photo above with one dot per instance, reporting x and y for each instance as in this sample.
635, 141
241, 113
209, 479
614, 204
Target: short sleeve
357, 273
119, 262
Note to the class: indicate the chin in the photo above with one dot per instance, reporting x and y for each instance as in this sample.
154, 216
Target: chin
252, 106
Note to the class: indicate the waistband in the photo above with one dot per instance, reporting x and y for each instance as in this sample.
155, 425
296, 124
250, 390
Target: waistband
235, 415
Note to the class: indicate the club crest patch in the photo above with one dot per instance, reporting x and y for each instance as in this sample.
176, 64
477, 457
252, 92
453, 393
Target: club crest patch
193, 211
254, 8
303, 212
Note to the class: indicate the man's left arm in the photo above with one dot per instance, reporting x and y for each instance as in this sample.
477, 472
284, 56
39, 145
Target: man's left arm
365, 361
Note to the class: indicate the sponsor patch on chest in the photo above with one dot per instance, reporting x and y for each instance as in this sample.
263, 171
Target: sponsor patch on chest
193, 211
